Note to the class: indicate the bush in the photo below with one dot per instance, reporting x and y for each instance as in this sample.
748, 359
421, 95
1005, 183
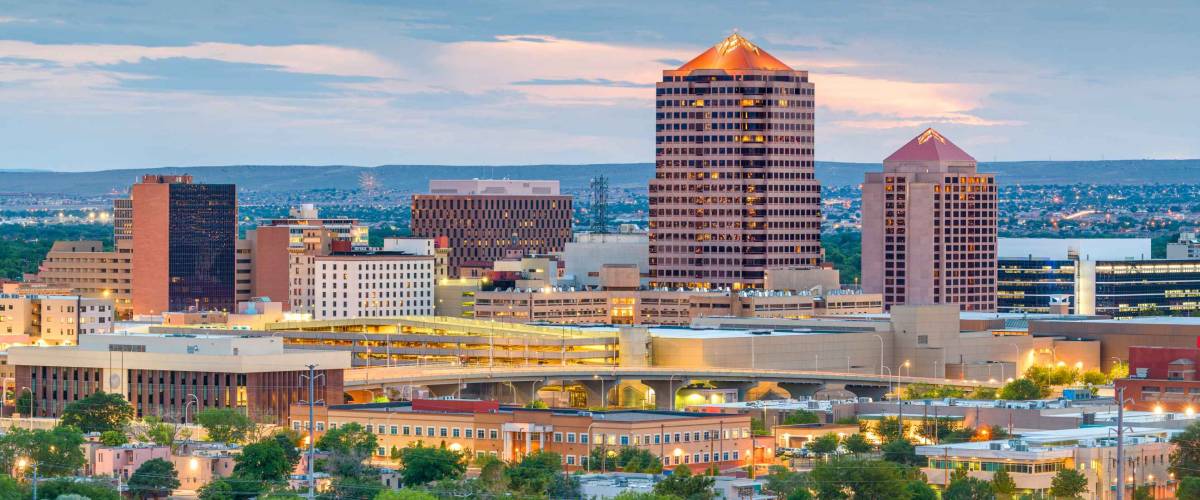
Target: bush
1022, 389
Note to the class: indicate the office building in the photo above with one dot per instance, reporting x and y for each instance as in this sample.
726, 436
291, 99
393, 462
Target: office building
55, 319
733, 192
620, 299
161, 375
929, 227
1033, 459
589, 252
696, 440
1186, 247
91, 271
486, 220
184, 244
284, 251
373, 284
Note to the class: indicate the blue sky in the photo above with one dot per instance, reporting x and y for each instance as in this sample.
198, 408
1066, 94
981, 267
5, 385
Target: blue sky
96, 85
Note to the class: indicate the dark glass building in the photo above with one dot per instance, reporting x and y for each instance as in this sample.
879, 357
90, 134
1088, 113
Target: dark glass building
1156, 287
1031, 285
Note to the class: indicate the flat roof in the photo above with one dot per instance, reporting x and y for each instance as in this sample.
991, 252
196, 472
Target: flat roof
1151, 320
600, 415
670, 332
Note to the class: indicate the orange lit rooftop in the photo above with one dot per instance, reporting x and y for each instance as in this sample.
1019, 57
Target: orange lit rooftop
735, 53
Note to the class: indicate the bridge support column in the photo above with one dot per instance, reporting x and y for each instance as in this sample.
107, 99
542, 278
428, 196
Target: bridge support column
799, 390
597, 392
444, 390
743, 388
875, 392
525, 392
664, 392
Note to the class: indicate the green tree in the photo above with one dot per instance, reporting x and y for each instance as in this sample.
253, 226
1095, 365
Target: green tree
1185, 458
863, 478
758, 428
264, 460
857, 443
1118, 371
900, 451
888, 428
681, 483
361, 487
233, 487
1003, 484
491, 473
99, 412
783, 481
1189, 487
1022, 389
823, 444
158, 432
10, 488
1144, 493
1068, 483
24, 403
1095, 377
57, 449
425, 464
93, 490
288, 442
969, 488
349, 439
537, 404
226, 425
642, 495
153, 479
800, 417
918, 489
800, 494
404, 494
534, 474
113, 438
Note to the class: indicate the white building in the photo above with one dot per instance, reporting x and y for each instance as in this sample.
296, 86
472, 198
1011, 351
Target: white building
373, 284
589, 252
55, 319
1083, 249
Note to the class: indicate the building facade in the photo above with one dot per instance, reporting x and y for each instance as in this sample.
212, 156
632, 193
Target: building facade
589, 252
929, 227
184, 245
91, 271
486, 220
1035, 285
55, 319
734, 191
1162, 379
695, 440
165, 375
373, 284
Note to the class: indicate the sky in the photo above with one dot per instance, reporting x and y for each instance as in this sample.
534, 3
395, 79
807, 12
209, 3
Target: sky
95, 85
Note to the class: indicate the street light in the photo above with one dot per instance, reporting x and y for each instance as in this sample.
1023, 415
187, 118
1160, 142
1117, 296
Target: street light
881, 367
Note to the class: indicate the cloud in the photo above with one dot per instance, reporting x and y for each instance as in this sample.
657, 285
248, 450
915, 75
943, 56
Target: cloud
880, 103
601, 82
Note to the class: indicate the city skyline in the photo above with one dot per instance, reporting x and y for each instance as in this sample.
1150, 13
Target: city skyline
352, 83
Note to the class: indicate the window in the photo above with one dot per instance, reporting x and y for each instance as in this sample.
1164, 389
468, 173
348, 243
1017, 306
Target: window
370, 429
570, 437
380, 451
570, 459
657, 438
492, 434
418, 429
406, 430
470, 433
735, 455
454, 432
558, 437
295, 425
625, 440
583, 438
429, 431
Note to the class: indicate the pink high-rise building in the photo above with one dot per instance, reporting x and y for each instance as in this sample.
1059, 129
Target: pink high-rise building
734, 192
929, 227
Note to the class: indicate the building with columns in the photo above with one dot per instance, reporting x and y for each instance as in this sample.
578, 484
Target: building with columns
929, 227
733, 192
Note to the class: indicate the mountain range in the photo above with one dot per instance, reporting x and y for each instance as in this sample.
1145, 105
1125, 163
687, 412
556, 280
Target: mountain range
415, 178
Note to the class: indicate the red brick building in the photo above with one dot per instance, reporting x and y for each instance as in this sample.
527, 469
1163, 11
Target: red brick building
1162, 378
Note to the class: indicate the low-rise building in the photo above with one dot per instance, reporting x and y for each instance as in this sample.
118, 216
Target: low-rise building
1162, 379
55, 319
1033, 459
164, 375
373, 284
696, 440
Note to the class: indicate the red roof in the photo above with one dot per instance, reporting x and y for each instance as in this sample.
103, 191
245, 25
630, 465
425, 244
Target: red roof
735, 52
929, 146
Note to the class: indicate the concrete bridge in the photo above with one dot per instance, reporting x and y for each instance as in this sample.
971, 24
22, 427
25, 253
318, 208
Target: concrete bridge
520, 384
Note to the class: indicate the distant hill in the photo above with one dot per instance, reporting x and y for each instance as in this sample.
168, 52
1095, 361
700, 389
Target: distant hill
415, 178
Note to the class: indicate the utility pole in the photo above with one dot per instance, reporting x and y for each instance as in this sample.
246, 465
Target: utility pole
35, 480
312, 427
1121, 443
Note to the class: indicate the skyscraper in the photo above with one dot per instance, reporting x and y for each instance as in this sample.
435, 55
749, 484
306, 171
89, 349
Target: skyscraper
733, 193
929, 227
184, 238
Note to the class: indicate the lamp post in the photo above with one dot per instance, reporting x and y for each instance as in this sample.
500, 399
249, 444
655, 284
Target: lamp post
191, 399
4, 394
880, 337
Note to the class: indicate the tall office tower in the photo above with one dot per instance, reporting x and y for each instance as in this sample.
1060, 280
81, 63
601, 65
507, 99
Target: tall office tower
122, 220
733, 193
929, 227
284, 251
487, 220
184, 238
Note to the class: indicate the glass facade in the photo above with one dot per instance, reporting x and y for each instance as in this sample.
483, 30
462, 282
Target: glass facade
1029, 284
203, 235
1157, 287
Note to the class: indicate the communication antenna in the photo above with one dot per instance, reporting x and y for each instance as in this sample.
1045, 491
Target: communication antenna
598, 205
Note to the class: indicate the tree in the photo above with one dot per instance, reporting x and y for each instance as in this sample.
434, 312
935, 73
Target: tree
157, 432
823, 444
800, 417
1189, 487
1068, 483
1119, 370
535, 473
99, 412
783, 481
349, 439
404, 494
969, 488
93, 490
1144, 493
1095, 377
1185, 458
425, 464
362, 487
264, 461
537, 404
642, 495
58, 449
1022, 389
287, 441
900, 451
10, 488
24, 403
225, 425
856, 444
920, 490
800, 494
681, 483
154, 478
1003, 484
863, 478
233, 487
113, 438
